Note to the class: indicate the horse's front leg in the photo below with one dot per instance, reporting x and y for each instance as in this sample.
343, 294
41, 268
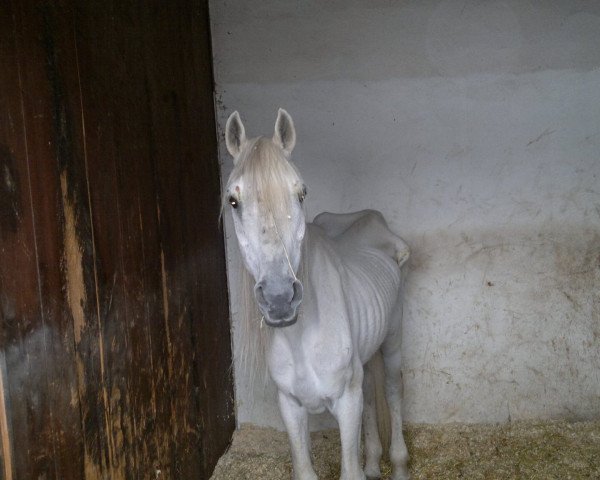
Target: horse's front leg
295, 418
348, 412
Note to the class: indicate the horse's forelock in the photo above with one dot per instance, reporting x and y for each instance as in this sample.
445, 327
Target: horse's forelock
268, 177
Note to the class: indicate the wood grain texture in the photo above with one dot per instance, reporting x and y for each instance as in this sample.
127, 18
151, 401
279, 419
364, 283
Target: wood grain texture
38, 345
114, 309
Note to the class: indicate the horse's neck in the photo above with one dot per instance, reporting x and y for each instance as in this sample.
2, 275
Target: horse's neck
350, 294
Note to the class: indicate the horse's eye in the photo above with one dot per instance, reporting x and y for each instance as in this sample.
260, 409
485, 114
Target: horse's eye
302, 194
233, 202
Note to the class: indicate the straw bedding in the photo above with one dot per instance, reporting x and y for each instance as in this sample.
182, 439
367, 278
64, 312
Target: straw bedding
521, 450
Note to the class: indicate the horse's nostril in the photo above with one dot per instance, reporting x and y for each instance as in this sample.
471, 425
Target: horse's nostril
276, 300
298, 293
259, 293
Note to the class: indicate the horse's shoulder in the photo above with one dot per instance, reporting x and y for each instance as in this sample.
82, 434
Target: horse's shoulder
323, 250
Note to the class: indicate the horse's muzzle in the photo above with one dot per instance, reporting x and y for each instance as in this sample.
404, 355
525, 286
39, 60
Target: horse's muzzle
278, 305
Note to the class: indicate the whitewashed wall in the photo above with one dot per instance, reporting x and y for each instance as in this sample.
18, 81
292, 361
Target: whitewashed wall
475, 128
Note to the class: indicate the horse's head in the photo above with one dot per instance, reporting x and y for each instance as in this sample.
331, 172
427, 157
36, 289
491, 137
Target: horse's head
265, 192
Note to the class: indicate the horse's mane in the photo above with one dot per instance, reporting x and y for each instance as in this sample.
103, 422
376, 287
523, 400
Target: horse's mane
268, 177
252, 334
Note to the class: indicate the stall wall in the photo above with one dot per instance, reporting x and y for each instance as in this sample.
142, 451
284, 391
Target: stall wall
114, 334
474, 127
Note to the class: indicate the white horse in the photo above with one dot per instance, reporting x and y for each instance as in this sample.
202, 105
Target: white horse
330, 290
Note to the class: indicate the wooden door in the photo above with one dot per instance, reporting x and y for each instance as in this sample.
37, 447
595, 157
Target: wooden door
114, 334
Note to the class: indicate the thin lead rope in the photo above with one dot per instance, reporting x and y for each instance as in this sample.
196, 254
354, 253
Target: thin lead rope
287, 257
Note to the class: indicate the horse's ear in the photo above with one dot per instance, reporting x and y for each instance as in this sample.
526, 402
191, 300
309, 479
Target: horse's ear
285, 133
235, 134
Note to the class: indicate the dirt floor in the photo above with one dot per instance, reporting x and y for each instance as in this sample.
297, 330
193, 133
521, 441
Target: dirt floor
522, 450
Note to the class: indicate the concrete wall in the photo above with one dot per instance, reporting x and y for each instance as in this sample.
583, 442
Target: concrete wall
475, 128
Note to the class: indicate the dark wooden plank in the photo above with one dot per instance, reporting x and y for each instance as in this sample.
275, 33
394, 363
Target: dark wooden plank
19, 295
139, 115
185, 158
210, 305
129, 285
191, 239
81, 270
170, 162
40, 374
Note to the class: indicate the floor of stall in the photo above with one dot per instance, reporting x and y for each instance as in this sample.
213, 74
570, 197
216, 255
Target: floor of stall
518, 450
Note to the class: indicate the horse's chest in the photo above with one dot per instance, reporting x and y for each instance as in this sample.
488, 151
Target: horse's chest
313, 373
